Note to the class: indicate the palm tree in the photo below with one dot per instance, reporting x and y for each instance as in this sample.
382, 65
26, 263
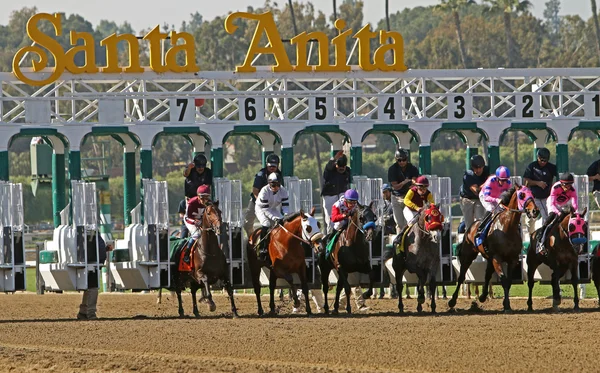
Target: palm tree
508, 7
453, 6
597, 27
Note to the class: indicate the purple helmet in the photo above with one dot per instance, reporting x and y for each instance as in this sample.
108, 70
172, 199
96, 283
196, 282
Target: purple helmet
503, 173
351, 195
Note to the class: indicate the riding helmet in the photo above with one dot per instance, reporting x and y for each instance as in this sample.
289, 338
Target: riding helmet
401, 154
351, 195
200, 160
272, 179
543, 153
203, 190
273, 160
567, 178
422, 181
342, 161
477, 161
503, 173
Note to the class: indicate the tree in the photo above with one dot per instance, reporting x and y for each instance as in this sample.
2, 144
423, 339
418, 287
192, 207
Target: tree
552, 17
453, 7
597, 28
508, 8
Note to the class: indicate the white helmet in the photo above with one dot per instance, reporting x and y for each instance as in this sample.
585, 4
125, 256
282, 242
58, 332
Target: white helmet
272, 178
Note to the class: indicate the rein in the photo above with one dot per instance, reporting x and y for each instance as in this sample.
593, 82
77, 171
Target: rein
294, 235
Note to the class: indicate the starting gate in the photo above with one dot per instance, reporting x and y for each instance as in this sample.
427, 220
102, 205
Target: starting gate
71, 261
12, 257
441, 189
229, 194
543, 273
141, 260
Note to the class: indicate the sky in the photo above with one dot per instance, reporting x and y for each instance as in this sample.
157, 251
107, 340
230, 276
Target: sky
145, 14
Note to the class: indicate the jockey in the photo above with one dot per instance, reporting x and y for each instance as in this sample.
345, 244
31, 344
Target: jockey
193, 217
270, 202
489, 195
340, 213
561, 196
416, 197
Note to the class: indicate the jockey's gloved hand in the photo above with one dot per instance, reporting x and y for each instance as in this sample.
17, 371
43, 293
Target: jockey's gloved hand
198, 223
278, 221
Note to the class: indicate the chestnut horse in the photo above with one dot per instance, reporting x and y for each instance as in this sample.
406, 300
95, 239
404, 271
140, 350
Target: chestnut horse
209, 264
565, 243
286, 252
421, 255
353, 255
503, 241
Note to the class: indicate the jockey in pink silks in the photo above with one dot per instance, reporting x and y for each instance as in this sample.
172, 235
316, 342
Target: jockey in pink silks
489, 196
562, 195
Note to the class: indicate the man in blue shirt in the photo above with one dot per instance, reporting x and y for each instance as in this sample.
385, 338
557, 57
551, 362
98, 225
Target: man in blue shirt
539, 177
473, 179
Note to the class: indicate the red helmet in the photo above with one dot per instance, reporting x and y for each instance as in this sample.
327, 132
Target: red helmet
203, 190
422, 180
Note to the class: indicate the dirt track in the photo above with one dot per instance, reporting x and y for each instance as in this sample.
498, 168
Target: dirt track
39, 333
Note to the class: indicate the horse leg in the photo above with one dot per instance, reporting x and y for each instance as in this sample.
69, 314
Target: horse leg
575, 283
255, 275
272, 285
506, 284
338, 291
466, 258
398, 265
489, 271
432, 288
347, 290
304, 285
229, 289
421, 289
159, 296
556, 298
194, 288
293, 291
325, 284
532, 264
208, 295
369, 270
178, 291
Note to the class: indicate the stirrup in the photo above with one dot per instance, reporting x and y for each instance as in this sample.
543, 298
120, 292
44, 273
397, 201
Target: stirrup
186, 259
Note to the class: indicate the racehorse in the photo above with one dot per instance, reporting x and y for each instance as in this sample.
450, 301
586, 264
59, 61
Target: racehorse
286, 253
504, 243
209, 264
421, 255
565, 243
353, 255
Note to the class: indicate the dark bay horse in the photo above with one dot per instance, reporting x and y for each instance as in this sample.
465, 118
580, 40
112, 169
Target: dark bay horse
421, 255
353, 255
209, 264
286, 252
503, 241
565, 243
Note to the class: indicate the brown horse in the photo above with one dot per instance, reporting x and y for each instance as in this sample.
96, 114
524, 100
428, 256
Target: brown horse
209, 264
563, 254
504, 243
352, 252
286, 253
421, 255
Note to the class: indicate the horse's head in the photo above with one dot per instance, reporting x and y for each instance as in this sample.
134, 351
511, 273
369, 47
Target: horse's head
212, 217
433, 221
526, 202
577, 228
367, 218
311, 228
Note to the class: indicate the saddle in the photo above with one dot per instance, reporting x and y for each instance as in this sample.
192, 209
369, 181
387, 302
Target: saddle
402, 238
187, 267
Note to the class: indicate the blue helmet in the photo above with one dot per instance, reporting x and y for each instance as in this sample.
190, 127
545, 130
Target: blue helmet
503, 173
351, 195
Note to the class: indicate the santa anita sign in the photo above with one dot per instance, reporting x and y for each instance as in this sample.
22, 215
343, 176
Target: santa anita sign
183, 43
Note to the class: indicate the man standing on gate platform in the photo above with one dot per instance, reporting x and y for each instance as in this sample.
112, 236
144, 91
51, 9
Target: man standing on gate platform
401, 175
260, 181
539, 177
594, 175
197, 174
337, 178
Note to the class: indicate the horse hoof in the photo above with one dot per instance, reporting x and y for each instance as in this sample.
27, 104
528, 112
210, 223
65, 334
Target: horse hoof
529, 309
335, 312
555, 309
419, 308
295, 310
235, 315
261, 313
508, 311
452, 303
212, 307
556, 302
272, 313
482, 298
197, 315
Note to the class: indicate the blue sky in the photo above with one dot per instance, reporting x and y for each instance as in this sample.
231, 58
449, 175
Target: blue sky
147, 14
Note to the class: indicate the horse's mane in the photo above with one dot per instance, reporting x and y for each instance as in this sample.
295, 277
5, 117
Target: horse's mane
292, 217
507, 195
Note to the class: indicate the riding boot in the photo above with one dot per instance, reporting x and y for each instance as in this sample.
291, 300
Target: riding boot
187, 250
482, 230
264, 248
548, 225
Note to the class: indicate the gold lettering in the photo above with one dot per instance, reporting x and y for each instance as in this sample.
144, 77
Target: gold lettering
43, 41
339, 43
154, 38
397, 48
88, 50
112, 54
188, 48
301, 40
364, 36
266, 25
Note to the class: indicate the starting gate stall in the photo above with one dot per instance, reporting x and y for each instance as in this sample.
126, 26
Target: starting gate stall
300, 197
369, 190
233, 243
543, 273
12, 257
71, 260
476, 272
441, 188
141, 261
